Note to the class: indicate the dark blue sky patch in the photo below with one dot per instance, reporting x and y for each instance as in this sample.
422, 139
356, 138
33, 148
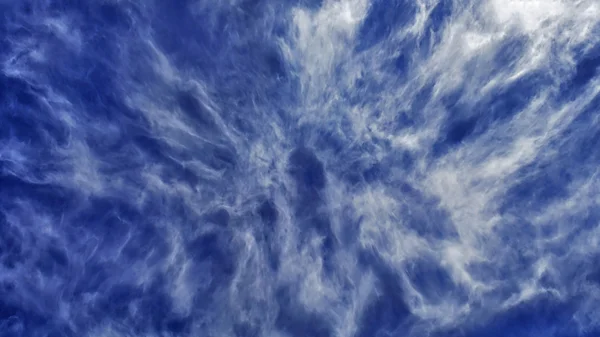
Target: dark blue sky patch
14, 319
454, 133
220, 157
53, 261
504, 104
373, 172
219, 217
193, 108
460, 130
146, 241
387, 311
431, 280
246, 329
542, 183
47, 196
542, 316
116, 302
579, 141
440, 15
213, 251
95, 277
422, 98
11, 245
113, 16
383, 19
307, 170
268, 214
586, 69
295, 321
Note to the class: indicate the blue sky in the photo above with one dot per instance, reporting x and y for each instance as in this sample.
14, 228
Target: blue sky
347, 168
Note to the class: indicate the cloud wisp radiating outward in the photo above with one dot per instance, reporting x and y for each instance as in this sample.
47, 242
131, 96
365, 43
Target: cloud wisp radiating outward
306, 168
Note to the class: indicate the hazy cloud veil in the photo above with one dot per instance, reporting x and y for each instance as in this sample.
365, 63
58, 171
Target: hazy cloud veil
302, 168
